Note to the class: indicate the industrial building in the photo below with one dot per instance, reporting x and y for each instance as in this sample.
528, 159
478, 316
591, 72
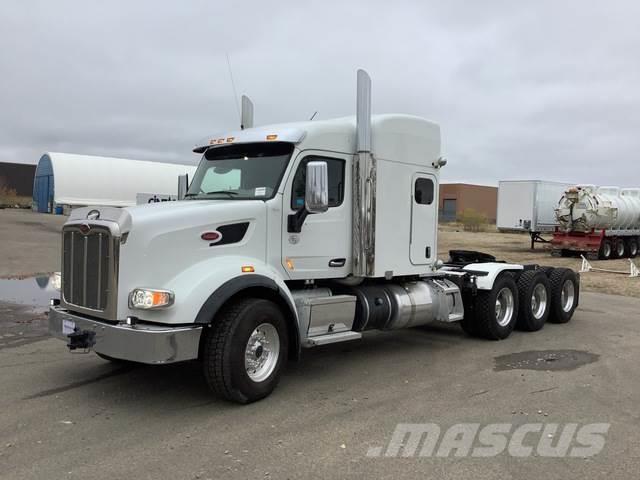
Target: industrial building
65, 179
18, 177
455, 198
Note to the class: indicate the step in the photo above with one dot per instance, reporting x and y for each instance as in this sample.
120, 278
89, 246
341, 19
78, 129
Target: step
331, 338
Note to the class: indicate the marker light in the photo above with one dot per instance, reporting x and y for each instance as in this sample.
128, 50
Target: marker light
211, 236
247, 269
290, 264
146, 299
272, 137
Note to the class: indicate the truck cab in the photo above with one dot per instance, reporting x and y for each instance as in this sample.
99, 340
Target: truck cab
289, 236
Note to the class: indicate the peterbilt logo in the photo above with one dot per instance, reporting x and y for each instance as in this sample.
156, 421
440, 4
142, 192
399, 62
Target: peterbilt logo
85, 228
93, 215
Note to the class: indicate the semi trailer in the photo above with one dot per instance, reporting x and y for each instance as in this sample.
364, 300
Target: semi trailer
290, 237
529, 206
601, 222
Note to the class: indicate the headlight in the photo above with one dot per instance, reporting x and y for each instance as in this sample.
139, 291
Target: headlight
146, 298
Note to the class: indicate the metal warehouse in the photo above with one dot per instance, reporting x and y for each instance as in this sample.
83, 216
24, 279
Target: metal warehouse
68, 179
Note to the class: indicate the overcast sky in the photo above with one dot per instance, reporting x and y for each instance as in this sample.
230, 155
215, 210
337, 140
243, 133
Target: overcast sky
539, 89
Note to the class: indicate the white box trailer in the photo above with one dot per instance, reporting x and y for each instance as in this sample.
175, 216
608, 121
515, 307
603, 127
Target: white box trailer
529, 206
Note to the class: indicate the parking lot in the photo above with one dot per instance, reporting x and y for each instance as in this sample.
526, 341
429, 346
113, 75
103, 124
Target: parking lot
68, 415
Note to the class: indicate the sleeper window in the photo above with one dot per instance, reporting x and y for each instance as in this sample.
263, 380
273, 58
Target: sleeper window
423, 191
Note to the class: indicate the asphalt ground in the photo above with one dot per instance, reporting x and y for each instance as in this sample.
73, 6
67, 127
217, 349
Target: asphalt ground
66, 415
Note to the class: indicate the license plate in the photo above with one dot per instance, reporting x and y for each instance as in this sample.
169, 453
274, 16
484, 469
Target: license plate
68, 327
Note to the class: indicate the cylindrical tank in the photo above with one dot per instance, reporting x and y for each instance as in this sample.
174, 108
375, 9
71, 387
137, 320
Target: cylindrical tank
586, 207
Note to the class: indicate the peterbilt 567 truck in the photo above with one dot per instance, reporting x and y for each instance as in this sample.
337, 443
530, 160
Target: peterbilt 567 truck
290, 236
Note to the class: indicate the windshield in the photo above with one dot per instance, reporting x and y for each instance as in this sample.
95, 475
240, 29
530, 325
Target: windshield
241, 172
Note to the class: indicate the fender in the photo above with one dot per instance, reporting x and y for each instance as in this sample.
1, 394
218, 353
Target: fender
236, 285
491, 271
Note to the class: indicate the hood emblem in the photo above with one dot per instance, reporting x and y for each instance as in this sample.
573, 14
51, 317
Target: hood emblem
93, 215
85, 228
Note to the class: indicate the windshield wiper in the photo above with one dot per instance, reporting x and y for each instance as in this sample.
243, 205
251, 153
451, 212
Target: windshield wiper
228, 192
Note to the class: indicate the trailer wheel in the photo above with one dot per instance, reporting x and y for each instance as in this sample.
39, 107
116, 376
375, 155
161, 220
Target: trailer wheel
534, 292
245, 350
619, 248
632, 247
496, 310
565, 293
605, 250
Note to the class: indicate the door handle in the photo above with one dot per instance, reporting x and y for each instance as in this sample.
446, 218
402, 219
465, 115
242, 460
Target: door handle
337, 262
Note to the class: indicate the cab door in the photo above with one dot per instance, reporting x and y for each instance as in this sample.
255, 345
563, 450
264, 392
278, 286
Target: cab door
322, 249
424, 219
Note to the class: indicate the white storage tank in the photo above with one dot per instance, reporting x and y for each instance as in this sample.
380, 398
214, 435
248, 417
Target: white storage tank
586, 207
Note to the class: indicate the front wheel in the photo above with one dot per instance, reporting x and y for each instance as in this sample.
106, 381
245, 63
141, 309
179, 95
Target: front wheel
245, 350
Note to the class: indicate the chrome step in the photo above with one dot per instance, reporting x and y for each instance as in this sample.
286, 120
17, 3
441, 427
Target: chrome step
331, 338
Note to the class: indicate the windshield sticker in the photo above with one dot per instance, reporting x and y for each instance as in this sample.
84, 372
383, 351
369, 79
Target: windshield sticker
260, 191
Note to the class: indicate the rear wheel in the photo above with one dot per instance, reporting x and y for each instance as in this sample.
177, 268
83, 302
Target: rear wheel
565, 291
496, 311
535, 300
619, 248
245, 350
605, 250
632, 247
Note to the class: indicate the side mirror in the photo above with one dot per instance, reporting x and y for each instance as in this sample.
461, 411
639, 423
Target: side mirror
183, 185
316, 196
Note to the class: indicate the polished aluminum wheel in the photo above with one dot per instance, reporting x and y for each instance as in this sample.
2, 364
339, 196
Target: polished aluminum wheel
504, 306
262, 352
567, 295
539, 301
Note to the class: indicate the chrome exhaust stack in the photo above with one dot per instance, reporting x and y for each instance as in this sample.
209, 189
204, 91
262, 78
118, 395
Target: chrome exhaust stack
364, 184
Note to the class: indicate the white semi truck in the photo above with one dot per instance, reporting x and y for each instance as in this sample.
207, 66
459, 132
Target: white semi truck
290, 236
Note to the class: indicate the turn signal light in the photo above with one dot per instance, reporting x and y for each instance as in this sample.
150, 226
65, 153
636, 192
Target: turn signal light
146, 299
272, 137
247, 269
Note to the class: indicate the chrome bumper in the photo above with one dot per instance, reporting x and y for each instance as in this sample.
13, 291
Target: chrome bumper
140, 343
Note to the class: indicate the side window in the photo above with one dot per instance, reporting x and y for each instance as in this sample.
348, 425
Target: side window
335, 169
423, 191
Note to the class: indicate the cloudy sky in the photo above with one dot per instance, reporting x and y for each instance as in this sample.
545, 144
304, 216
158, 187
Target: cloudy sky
538, 89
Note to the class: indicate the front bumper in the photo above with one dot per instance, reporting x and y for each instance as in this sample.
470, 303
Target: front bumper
142, 343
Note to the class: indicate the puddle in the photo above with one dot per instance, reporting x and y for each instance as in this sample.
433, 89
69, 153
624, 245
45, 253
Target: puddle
544, 360
32, 291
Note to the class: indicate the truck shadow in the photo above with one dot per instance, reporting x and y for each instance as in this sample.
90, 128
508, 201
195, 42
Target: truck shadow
146, 387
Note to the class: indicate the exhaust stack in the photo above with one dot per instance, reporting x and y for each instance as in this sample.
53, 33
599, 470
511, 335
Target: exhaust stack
246, 116
364, 184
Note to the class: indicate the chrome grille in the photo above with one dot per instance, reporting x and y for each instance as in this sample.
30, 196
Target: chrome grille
89, 269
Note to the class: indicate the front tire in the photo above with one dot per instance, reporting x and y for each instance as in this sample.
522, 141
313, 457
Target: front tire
245, 350
534, 290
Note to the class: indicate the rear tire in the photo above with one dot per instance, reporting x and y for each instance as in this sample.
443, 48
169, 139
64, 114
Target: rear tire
534, 296
496, 311
606, 249
632, 247
620, 249
245, 350
565, 294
